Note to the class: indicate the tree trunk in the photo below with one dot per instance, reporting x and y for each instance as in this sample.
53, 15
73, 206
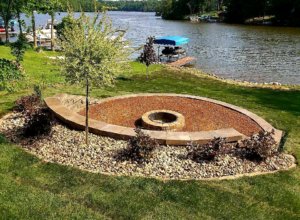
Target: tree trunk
87, 112
147, 72
6, 31
52, 31
19, 21
33, 30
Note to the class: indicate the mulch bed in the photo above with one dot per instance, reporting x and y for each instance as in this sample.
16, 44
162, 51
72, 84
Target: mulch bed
199, 115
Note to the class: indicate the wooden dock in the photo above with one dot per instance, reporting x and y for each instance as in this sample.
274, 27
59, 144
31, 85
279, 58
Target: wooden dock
182, 61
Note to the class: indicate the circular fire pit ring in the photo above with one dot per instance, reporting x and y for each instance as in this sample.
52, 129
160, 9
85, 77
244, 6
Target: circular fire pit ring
163, 120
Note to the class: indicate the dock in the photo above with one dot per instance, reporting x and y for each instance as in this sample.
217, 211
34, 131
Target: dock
182, 61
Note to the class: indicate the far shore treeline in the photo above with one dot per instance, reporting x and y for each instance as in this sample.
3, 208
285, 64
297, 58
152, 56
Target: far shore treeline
281, 12
276, 12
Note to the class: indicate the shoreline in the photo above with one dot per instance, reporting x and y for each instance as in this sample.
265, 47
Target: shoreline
200, 73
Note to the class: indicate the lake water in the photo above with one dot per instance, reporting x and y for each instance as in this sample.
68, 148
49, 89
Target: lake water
251, 53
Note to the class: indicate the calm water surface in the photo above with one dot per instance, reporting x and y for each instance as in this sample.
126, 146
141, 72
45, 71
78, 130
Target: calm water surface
252, 53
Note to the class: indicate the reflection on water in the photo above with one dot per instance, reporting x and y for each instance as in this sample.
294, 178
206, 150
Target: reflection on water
252, 53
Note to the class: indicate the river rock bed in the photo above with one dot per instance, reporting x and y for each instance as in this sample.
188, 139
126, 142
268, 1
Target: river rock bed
66, 146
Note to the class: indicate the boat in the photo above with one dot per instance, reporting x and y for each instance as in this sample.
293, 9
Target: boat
11, 27
173, 53
194, 18
43, 34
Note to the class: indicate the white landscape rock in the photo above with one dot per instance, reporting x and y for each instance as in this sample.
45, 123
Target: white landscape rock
66, 146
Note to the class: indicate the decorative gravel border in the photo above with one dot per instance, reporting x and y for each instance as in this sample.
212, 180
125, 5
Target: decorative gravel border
66, 146
73, 119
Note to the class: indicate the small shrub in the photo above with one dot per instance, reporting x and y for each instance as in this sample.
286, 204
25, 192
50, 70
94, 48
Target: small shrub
37, 122
140, 148
29, 103
38, 118
260, 146
19, 47
209, 151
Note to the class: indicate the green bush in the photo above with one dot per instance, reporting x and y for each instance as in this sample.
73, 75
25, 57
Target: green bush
19, 47
9, 74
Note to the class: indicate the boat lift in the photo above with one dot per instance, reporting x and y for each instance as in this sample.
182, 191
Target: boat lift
173, 53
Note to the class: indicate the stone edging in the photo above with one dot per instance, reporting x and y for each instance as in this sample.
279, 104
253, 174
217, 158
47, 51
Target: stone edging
77, 121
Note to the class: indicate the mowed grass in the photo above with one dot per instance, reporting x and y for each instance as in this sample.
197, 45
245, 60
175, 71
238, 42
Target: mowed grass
32, 189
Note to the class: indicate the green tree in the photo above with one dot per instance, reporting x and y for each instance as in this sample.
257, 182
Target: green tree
30, 8
94, 53
178, 9
18, 8
6, 12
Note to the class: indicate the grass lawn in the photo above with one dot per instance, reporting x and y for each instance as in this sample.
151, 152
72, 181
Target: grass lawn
32, 189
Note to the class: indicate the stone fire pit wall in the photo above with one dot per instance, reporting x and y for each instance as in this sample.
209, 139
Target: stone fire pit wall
67, 112
163, 120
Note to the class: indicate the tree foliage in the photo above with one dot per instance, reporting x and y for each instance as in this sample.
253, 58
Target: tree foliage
144, 6
286, 12
93, 47
9, 74
148, 55
7, 13
19, 47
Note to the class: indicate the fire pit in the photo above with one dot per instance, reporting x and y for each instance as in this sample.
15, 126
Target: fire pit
165, 120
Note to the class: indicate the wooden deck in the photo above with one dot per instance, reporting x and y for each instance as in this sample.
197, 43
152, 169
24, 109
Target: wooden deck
182, 61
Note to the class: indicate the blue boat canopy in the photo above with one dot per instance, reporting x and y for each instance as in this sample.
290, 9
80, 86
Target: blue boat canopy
172, 40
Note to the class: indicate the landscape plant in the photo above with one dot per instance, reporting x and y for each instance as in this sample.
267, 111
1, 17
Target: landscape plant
209, 151
28, 103
18, 48
259, 146
148, 55
139, 148
37, 116
9, 74
94, 54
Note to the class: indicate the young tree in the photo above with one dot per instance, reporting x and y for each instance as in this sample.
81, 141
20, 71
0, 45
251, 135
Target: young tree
6, 12
94, 53
148, 55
